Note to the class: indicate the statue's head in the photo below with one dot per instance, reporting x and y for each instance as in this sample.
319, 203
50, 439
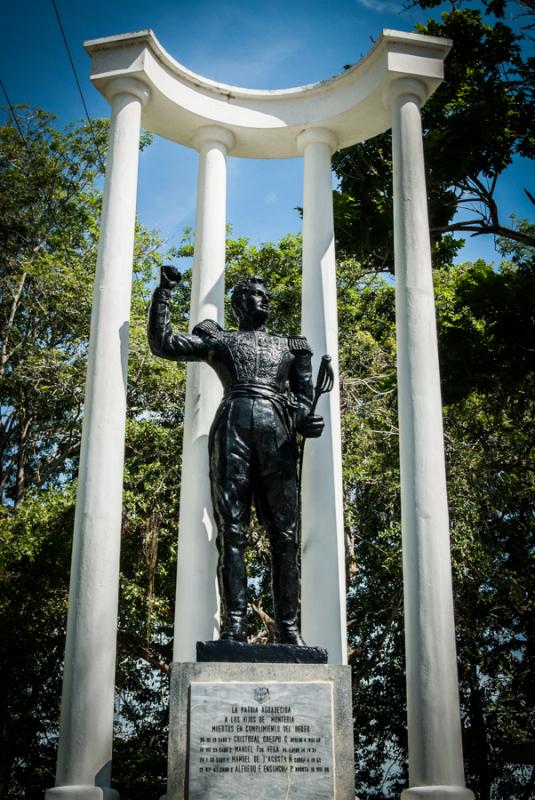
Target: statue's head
250, 301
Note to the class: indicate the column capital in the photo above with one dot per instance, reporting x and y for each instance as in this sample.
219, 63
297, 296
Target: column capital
405, 86
213, 134
314, 136
131, 86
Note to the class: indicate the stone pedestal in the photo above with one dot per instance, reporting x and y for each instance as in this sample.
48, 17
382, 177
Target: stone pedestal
259, 731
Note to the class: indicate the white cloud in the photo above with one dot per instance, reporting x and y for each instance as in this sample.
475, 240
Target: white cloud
238, 46
271, 198
381, 6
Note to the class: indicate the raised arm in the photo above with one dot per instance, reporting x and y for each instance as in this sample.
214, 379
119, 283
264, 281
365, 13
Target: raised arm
162, 341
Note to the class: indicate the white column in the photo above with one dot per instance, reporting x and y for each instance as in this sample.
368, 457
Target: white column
323, 589
434, 729
197, 597
86, 726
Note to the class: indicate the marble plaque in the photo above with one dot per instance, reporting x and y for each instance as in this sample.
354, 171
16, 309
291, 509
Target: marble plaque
261, 741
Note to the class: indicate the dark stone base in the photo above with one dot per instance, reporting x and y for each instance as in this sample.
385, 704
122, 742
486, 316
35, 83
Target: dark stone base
226, 650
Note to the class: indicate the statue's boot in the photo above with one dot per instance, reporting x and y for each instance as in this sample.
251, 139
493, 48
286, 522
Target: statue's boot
233, 589
285, 582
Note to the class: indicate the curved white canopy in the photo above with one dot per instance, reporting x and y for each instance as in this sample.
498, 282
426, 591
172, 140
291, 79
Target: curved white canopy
266, 123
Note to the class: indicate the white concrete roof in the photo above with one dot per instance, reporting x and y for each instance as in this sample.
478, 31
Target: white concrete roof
265, 123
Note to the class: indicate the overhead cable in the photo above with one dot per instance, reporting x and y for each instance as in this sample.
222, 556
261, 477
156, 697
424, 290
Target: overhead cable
14, 115
67, 48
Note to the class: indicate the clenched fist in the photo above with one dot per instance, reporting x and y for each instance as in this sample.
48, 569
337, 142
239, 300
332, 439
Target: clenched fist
310, 425
169, 277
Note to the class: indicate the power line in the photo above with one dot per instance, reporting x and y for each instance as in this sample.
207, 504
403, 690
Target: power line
32, 202
24, 141
14, 115
67, 48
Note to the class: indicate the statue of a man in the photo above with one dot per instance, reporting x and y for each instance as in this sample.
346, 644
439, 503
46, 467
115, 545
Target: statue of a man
268, 392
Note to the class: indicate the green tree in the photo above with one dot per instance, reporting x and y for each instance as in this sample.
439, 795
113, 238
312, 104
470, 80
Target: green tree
477, 121
47, 235
49, 212
516, 9
488, 414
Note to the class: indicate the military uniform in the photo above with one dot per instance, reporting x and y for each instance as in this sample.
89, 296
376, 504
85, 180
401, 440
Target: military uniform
267, 384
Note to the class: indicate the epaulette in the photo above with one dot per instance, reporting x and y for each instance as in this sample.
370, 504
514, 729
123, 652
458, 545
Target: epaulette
208, 327
299, 344
162, 295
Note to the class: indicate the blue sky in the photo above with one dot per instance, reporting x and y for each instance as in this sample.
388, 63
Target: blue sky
273, 44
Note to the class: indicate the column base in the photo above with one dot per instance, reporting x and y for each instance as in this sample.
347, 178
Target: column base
437, 793
81, 792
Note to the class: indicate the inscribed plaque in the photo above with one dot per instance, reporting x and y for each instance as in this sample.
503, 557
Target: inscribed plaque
267, 741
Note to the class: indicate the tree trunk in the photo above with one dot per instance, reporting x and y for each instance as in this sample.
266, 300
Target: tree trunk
20, 482
4, 354
480, 746
6, 753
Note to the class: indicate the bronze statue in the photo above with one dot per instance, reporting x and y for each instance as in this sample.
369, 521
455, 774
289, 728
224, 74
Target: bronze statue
268, 398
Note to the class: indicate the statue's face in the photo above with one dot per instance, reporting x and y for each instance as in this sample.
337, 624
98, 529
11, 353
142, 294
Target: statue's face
255, 304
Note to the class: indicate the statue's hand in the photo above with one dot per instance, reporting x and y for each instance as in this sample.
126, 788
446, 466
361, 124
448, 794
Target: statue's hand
169, 277
310, 425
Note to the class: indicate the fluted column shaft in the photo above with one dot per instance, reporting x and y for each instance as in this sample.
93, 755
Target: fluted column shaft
86, 726
323, 590
434, 729
197, 599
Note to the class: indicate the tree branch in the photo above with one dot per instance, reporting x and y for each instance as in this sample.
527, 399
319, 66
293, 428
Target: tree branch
480, 230
134, 648
4, 355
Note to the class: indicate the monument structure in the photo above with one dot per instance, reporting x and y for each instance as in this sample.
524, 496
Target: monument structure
386, 89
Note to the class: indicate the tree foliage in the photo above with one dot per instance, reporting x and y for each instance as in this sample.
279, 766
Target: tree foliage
488, 412
49, 211
47, 237
522, 10
477, 121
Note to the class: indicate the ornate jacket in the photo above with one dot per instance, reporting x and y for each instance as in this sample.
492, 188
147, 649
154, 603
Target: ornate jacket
248, 362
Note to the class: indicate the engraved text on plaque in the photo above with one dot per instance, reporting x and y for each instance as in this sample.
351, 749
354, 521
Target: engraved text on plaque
261, 740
